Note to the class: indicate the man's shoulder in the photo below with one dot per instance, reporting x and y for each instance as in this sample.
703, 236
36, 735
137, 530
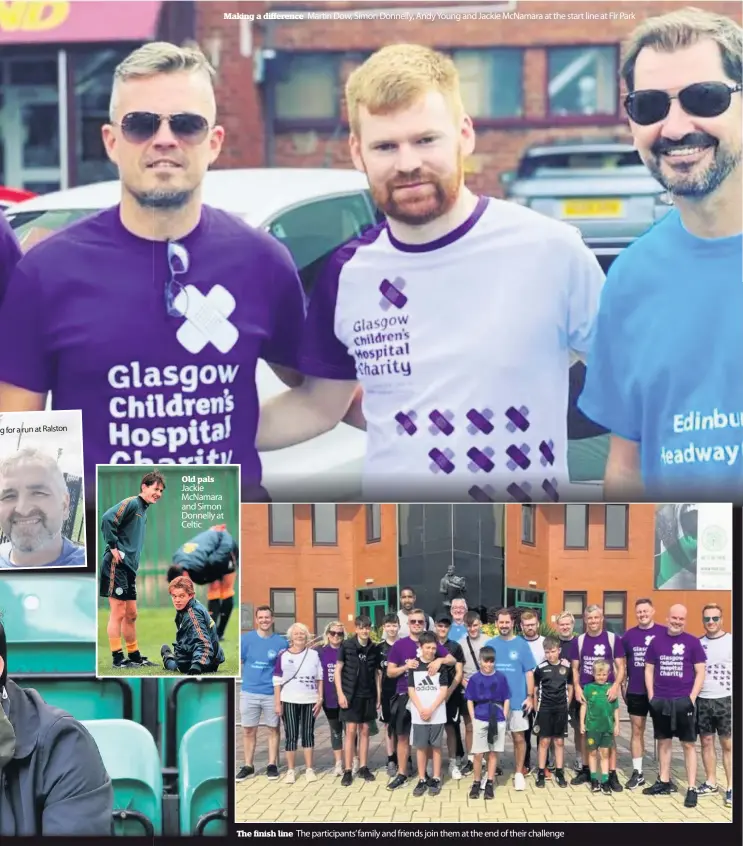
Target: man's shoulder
342, 256
99, 228
524, 224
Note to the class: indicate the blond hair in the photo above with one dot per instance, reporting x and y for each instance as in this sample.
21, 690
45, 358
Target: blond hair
601, 664
325, 638
156, 58
396, 77
684, 28
566, 615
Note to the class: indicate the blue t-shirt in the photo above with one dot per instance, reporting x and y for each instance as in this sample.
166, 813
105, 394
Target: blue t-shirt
258, 656
665, 366
514, 659
457, 631
482, 690
71, 555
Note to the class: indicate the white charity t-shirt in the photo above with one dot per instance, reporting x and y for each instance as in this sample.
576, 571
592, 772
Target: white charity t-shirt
462, 347
718, 677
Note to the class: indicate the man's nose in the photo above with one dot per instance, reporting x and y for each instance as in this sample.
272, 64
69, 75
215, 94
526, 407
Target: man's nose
677, 122
408, 158
164, 136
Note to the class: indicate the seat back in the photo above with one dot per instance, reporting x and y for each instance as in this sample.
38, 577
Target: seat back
192, 701
130, 756
84, 697
202, 766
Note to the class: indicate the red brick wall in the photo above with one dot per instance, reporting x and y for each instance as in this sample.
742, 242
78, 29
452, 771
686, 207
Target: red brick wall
305, 567
596, 570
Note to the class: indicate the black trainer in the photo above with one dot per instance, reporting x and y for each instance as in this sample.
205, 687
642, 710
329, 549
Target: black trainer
245, 772
397, 781
637, 779
660, 788
614, 782
560, 778
121, 663
366, 774
606, 788
540, 782
583, 777
691, 798
489, 790
595, 786
420, 788
272, 772
475, 790
434, 786
347, 779
499, 771
674, 786
467, 767
142, 661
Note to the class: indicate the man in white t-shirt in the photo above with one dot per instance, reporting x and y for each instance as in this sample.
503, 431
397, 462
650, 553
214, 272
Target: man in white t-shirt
715, 702
407, 604
458, 315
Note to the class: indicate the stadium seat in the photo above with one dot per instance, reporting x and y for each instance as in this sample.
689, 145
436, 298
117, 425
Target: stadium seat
49, 632
130, 757
85, 697
191, 701
202, 763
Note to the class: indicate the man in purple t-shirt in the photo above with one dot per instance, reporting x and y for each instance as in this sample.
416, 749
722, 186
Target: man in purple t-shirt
674, 674
10, 253
151, 316
635, 642
586, 649
402, 657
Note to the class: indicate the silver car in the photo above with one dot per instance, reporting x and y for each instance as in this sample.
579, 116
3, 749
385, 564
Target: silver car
601, 187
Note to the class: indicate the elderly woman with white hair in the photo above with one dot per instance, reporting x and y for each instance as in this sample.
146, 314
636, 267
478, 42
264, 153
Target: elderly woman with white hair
298, 694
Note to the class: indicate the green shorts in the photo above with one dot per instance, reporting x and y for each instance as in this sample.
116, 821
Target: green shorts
599, 740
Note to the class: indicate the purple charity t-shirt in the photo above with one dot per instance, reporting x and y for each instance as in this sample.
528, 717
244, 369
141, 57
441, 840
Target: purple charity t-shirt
635, 642
673, 658
402, 651
328, 657
10, 253
482, 690
594, 649
86, 318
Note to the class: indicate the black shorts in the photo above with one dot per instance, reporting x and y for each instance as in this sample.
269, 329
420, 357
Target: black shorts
550, 723
686, 720
454, 705
359, 710
387, 704
637, 704
124, 585
400, 716
715, 716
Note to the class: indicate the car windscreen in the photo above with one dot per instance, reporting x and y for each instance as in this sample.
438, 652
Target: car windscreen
566, 163
31, 227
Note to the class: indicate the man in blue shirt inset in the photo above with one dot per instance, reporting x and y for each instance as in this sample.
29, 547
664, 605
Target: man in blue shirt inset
258, 651
513, 658
664, 373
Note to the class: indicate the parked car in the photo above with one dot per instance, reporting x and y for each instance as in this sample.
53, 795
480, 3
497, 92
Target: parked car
602, 187
312, 212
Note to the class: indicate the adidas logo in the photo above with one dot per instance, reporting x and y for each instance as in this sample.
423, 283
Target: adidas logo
426, 683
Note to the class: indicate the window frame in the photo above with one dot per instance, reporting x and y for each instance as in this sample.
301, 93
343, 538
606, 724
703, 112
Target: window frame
486, 53
625, 545
585, 543
622, 594
315, 614
281, 616
333, 60
532, 509
603, 118
583, 594
271, 540
370, 536
315, 541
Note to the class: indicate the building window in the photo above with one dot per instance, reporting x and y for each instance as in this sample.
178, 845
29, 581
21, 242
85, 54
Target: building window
373, 523
575, 603
527, 524
491, 82
284, 607
576, 527
307, 86
324, 525
616, 520
281, 525
615, 612
327, 609
582, 81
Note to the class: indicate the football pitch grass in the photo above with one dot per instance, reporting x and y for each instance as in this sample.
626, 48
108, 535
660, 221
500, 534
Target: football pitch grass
156, 626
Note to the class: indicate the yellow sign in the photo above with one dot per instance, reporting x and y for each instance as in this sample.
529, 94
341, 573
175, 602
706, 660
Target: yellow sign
18, 16
593, 208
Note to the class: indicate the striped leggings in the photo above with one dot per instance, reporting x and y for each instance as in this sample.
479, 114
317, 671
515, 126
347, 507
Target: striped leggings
299, 721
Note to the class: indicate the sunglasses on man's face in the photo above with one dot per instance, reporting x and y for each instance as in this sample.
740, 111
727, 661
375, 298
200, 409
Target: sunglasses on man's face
416, 622
701, 99
139, 127
711, 619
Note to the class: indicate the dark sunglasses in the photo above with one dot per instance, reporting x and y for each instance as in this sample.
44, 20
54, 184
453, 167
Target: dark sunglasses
416, 622
176, 296
711, 619
335, 634
701, 99
139, 127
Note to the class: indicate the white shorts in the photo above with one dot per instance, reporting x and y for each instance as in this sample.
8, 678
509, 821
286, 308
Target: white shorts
480, 738
257, 709
517, 721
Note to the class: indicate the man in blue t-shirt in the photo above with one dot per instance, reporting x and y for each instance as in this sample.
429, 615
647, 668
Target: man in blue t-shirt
664, 373
258, 651
515, 660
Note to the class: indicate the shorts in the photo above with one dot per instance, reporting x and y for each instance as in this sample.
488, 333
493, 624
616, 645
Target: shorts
454, 706
599, 740
550, 724
359, 711
124, 585
480, 738
638, 704
258, 709
686, 723
427, 735
715, 716
387, 706
517, 721
400, 718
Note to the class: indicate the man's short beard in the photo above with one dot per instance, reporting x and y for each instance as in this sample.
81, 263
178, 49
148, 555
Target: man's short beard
162, 199
701, 186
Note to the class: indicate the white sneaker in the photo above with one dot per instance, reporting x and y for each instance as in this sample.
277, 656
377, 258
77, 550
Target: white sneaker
290, 777
519, 783
338, 769
454, 772
309, 774
355, 766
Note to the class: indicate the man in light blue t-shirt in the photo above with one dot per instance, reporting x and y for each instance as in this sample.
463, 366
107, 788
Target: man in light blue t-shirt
258, 651
664, 373
514, 658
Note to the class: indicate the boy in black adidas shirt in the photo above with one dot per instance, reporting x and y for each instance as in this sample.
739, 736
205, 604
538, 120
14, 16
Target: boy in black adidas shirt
553, 688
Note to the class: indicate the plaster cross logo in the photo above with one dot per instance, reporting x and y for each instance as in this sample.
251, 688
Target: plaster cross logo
677, 649
599, 649
206, 319
648, 638
271, 654
513, 655
392, 294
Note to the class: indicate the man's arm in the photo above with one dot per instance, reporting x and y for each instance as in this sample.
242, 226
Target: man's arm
305, 412
77, 793
113, 520
13, 398
700, 671
622, 477
577, 689
649, 678
203, 653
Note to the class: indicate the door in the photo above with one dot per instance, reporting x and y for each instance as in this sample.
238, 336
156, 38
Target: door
534, 599
374, 610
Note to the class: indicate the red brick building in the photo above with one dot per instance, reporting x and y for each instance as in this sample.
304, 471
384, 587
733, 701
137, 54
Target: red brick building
568, 557
525, 79
317, 563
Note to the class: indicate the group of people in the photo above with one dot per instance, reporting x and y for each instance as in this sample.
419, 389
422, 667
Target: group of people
369, 352
209, 558
423, 679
